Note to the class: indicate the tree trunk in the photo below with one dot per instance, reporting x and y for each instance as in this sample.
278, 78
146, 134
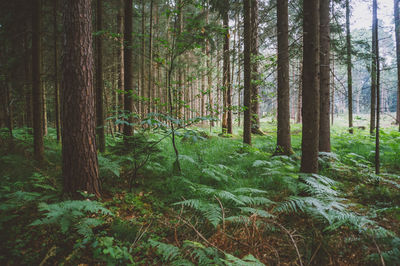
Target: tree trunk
255, 97
37, 100
101, 140
247, 73
44, 108
227, 108
378, 95
349, 66
209, 75
128, 78
150, 66
80, 165
324, 123
283, 136
120, 22
373, 66
397, 33
56, 82
310, 90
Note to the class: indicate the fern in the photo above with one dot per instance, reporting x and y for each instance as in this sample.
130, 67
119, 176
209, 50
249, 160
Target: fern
210, 211
168, 252
73, 213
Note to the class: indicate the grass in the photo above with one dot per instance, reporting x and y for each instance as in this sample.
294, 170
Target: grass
229, 202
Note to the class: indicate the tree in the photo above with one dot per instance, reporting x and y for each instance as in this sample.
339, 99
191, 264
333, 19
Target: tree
324, 125
56, 81
80, 165
283, 135
120, 23
397, 33
101, 140
128, 77
247, 73
255, 104
227, 98
349, 66
310, 90
375, 43
37, 98
373, 67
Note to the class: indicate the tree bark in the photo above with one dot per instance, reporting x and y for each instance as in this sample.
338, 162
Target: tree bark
120, 22
128, 71
397, 33
80, 165
227, 108
56, 81
150, 66
373, 66
310, 90
101, 139
255, 97
247, 73
324, 123
283, 135
37, 100
349, 66
378, 94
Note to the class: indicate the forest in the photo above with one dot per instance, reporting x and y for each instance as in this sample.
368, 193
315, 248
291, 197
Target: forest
200, 132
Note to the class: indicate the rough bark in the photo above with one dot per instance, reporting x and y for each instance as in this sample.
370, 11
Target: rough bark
150, 65
397, 33
227, 98
101, 139
324, 123
310, 90
56, 81
80, 165
378, 94
37, 99
283, 135
247, 74
255, 97
373, 67
128, 71
120, 22
143, 63
349, 67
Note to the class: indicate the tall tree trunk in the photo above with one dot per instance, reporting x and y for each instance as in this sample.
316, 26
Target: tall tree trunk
209, 75
101, 140
120, 22
44, 108
349, 66
373, 66
150, 66
239, 64
310, 97
227, 109
80, 165
37, 100
143, 63
299, 94
378, 94
255, 97
247, 73
128, 71
283, 137
56, 82
324, 125
397, 33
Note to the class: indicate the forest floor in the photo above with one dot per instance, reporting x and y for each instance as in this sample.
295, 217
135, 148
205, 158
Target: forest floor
231, 205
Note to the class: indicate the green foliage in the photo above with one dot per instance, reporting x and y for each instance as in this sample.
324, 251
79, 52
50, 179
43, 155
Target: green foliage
73, 213
106, 249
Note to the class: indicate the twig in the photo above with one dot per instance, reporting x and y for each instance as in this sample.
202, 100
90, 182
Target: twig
293, 241
223, 213
379, 251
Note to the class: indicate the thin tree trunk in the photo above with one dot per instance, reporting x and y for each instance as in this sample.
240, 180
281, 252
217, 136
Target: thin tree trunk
349, 66
150, 66
101, 139
373, 66
143, 62
80, 165
247, 73
310, 91
397, 33
56, 82
120, 22
255, 97
128, 70
378, 94
283, 145
299, 94
324, 123
37, 99
227, 109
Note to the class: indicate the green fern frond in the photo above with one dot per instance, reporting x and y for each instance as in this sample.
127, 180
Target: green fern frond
168, 252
